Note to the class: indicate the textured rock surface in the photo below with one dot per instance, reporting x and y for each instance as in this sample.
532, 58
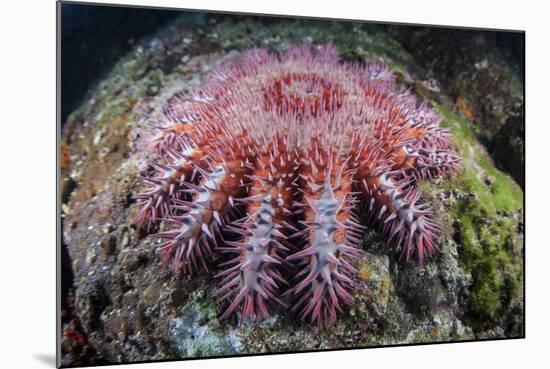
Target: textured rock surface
132, 308
482, 73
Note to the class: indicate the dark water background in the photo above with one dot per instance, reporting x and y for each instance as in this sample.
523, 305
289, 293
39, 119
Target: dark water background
93, 38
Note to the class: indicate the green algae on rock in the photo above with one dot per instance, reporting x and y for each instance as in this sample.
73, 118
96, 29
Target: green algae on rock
488, 224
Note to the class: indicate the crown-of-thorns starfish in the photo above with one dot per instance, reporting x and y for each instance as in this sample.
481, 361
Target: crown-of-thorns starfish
281, 162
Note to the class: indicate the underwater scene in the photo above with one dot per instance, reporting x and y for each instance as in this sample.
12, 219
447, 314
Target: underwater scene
241, 184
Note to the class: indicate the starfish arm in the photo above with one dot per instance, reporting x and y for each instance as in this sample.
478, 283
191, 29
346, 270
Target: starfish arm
193, 235
164, 187
326, 278
254, 276
435, 162
393, 206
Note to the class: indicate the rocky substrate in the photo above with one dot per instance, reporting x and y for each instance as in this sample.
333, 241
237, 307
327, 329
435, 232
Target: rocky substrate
132, 308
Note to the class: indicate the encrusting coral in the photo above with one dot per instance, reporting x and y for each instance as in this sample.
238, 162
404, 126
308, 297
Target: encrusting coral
276, 165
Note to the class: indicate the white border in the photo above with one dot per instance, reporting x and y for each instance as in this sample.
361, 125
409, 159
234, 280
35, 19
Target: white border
27, 151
